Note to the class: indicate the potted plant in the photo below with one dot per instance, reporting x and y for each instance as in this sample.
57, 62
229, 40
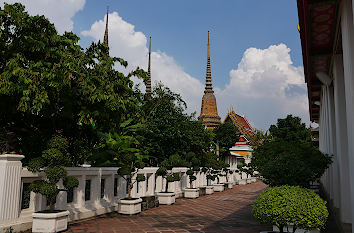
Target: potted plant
122, 150
210, 187
290, 208
130, 205
52, 163
228, 172
191, 192
241, 170
166, 197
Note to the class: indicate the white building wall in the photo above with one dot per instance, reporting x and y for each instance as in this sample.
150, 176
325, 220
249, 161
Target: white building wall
347, 29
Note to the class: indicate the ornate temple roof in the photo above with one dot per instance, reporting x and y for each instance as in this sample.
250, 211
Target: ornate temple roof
241, 147
209, 112
241, 123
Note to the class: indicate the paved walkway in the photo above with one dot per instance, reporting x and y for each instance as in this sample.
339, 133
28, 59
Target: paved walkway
228, 211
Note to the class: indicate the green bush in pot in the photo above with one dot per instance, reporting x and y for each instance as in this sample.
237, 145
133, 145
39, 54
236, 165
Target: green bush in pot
52, 162
286, 205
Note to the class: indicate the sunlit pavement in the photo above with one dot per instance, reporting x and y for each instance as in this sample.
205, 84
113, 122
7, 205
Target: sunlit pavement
228, 211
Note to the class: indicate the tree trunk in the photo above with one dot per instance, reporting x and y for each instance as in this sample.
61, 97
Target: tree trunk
130, 187
281, 229
52, 201
166, 187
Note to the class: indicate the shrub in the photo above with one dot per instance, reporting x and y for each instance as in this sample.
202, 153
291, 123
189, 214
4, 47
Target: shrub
51, 162
168, 175
289, 163
283, 205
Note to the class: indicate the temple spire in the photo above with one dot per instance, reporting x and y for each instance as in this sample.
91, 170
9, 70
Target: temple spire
105, 39
209, 111
208, 83
148, 81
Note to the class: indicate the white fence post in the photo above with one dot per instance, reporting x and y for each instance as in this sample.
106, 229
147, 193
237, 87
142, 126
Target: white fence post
10, 186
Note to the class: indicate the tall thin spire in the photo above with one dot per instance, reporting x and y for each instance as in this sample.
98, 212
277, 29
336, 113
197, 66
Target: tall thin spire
148, 81
209, 111
208, 83
105, 39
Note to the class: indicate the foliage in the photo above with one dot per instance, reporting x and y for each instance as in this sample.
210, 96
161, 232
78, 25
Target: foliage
51, 162
283, 205
289, 158
121, 148
291, 129
50, 85
169, 130
259, 138
226, 135
281, 162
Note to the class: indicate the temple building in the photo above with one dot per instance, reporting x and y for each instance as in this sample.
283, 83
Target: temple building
241, 150
327, 38
241, 123
209, 111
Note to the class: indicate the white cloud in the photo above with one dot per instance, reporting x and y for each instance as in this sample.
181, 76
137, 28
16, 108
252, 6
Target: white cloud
59, 12
129, 44
266, 86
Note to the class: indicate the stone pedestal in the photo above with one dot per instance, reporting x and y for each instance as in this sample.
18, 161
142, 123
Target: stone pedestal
209, 190
166, 198
129, 206
50, 222
191, 193
219, 187
10, 186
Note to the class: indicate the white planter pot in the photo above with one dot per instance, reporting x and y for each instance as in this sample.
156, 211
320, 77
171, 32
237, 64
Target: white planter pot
50, 222
242, 182
129, 206
229, 185
209, 190
218, 187
290, 228
249, 180
253, 179
191, 193
166, 198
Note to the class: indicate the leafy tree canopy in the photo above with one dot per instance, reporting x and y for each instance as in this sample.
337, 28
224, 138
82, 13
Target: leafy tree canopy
50, 85
290, 129
226, 136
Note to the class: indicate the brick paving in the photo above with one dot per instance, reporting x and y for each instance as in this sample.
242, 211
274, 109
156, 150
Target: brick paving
228, 211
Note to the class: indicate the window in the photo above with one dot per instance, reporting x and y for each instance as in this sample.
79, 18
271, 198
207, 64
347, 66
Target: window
70, 195
26, 196
102, 187
88, 190
115, 189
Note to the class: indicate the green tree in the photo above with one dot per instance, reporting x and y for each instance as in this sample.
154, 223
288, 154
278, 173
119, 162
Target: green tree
170, 130
290, 129
289, 158
225, 137
49, 84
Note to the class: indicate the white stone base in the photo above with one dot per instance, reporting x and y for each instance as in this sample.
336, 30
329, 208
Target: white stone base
290, 228
229, 185
253, 179
166, 198
191, 193
209, 190
242, 182
218, 187
50, 222
129, 206
249, 180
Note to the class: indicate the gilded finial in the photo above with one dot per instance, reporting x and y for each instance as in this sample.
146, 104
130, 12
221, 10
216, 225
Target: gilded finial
105, 39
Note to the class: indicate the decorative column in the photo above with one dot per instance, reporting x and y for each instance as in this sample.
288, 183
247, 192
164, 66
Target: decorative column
10, 186
342, 142
348, 61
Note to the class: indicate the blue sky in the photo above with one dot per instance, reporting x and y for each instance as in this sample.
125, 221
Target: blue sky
180, 29
255, 48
